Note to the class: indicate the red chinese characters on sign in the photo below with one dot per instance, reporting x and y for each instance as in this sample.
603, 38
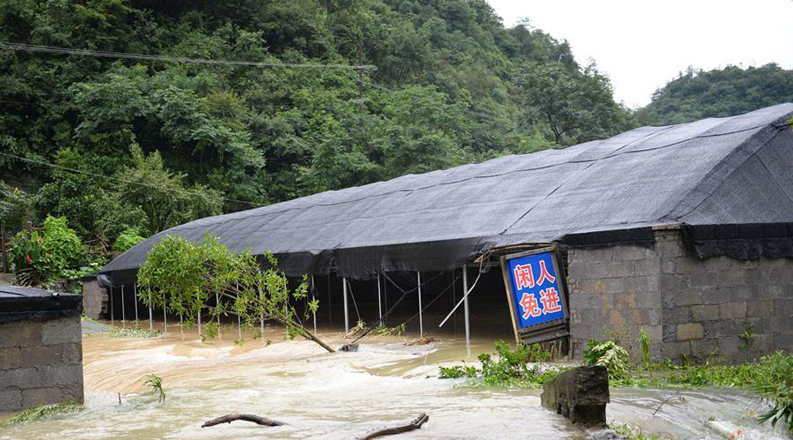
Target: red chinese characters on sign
544, 275
529, 305
551, 302
524, 277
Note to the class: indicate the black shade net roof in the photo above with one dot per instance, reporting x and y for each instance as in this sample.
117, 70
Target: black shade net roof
717, 177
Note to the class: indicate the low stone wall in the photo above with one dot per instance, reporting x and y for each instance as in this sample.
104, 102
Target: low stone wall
40, 356
691, 308
94, 300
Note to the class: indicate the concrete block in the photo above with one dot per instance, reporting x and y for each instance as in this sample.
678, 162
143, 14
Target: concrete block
73, 393
669, 333
782, 275
654, 332
783, 307
675, 350
705, 348
732, 310
687, 297
646, 267
16, 335
783, 342
703, 278
21, 377
633, 253
10, 399
729, 346
72, 353
10, 358
677, 315
669, 248
673, 282
41, 396
760, 308
62, 375
668, 265
580, 394
61, 331
700, 313
41, 355
690, 331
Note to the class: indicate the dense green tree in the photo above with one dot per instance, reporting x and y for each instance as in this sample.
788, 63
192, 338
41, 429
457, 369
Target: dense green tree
733, 90
448, 84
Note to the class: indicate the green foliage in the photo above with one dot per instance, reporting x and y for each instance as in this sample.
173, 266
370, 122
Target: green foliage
127, 239
508, 369
43, 257
729, 91
210, 330
767, 371
747, 334
43, 412
182, 277
450, 87
134, 333
781, 398
383, 330
610, 355
458, 371
632, 432
155, 382
644, 344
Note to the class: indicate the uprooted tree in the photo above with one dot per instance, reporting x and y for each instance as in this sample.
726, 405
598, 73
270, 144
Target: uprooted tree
189, 279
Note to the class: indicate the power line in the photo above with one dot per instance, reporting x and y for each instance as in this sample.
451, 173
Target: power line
130, 182
136, 56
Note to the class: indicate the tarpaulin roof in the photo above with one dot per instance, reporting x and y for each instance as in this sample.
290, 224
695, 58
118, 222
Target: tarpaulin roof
720, 171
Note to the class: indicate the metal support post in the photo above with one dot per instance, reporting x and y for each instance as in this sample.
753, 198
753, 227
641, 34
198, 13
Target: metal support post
421, 315
123, 313
465, 309
135, 291
314, 297
379, 302
346, 312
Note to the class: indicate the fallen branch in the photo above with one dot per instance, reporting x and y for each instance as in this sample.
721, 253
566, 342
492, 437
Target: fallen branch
415, 424
228, 418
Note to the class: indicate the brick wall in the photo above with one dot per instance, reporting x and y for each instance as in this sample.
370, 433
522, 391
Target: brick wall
41, 362
688, 306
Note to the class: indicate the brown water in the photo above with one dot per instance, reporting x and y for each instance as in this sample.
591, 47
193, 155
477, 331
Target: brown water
334, 395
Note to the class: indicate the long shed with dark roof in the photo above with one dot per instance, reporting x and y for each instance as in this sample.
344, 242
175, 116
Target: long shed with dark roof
717, 189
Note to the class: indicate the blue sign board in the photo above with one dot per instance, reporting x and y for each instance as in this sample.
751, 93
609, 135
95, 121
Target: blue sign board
536, 293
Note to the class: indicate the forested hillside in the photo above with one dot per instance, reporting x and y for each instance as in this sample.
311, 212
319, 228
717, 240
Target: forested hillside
730, 91
160, 143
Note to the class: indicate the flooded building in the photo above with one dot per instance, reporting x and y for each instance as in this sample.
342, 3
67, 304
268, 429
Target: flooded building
41, 358
684, 232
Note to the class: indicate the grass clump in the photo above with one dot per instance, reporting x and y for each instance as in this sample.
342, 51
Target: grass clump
155, 382
507, 368
382, 330
43, 412
134, 333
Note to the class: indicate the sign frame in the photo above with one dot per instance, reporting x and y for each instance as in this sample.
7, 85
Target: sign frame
545, 331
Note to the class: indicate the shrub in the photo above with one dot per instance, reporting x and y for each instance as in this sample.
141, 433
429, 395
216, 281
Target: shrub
43, 257
610, 355
127, 239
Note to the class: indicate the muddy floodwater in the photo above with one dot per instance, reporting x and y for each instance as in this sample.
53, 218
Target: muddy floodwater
338, 395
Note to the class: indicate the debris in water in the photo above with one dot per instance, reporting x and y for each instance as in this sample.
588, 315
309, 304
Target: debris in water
228, 418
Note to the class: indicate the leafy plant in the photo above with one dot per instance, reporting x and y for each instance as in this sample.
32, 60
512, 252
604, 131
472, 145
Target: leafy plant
155, 382
383, 330
43, 257
781, 398
127, 239
43, 412
509, 368
747, 334
644, 344
210, 330
610, 355
457, 371
182, 277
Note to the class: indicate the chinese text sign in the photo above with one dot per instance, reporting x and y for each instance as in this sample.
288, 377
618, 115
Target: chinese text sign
536, 295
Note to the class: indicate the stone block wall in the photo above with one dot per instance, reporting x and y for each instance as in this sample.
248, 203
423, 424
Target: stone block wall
708, 303
41, 362
690, 307
94, 300
614, 290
